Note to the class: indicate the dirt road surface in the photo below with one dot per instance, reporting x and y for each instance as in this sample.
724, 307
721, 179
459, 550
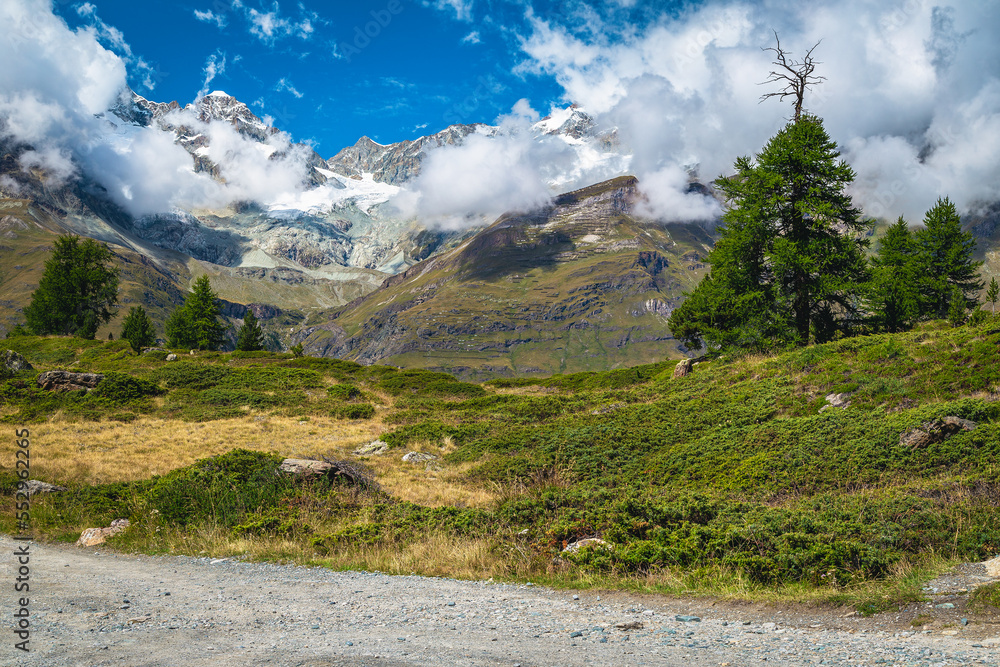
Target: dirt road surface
91, 607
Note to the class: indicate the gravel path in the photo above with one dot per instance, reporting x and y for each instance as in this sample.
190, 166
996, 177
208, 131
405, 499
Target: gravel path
94, 607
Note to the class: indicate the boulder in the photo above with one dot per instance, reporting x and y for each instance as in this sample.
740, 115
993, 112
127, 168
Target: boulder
33, 486
586, 542
352, 473
418, 457
372, 448
837, 401
14, 362
151, 350
683, 368
67, 381
94, 536
171, 357
933, 431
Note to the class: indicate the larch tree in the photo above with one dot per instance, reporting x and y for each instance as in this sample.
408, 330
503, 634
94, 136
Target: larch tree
789, 265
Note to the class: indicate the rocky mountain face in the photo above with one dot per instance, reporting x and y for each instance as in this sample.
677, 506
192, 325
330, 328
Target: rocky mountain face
395, 163
581, 284
584, 284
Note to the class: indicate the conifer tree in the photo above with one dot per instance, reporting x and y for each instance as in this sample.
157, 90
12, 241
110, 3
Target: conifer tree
137, 329
992, 293
195, 324
956, 307
893, 297
77, 290
788, 268
250, 337
946, 256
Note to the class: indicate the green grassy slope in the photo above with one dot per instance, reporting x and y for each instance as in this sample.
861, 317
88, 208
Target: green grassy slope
738, 471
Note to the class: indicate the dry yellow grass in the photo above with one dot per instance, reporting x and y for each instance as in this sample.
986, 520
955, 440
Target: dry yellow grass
103, 452
434, 485
432, 555
67, 451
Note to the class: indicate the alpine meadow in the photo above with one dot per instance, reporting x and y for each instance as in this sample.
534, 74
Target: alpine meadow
625, 299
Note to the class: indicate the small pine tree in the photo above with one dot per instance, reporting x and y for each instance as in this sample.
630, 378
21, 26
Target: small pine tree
250, 337
137, 329
992, 293
956, 311
946, 257
893, 297
195, 324
297, 350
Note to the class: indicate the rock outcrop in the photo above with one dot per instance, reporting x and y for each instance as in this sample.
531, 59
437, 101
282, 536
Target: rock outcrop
13, 362
934, 431
92, 537
67, 381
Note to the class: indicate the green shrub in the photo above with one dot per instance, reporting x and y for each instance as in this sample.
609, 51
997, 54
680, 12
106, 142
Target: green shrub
222, 489
343, 392
191, 375
354, 411
121, 388
428, 383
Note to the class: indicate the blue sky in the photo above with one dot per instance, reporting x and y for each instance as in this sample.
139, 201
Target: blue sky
329, 73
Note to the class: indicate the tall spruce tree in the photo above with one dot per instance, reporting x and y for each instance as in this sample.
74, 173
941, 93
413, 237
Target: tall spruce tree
250, 337
946, 253
893, 296
789, 265
196, 324
992, 293
77, 290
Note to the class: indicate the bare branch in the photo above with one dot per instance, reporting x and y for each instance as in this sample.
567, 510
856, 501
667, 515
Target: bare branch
794, 76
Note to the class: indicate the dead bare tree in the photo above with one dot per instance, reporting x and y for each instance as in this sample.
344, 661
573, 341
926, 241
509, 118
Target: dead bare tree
795, 76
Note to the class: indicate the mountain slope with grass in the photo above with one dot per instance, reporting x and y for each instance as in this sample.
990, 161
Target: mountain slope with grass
747, 477
583, 284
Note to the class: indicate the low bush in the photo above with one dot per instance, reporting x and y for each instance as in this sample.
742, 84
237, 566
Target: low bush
119, 388
354, 411
343, 392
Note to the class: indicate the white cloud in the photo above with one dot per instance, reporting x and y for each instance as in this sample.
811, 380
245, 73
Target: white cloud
209, 16
215, 66
57, 83
286, 85
912, 91
472, 38
142, 72
270, 26
461, 8
486, 176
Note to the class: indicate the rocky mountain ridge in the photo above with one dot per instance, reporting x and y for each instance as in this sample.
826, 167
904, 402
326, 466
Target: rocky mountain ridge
583, 284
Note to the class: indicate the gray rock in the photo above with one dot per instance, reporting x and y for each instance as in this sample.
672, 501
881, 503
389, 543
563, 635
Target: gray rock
67, 381
171, 357
687, 619
372, 448
418, 457
33, 486
934, 431
683, 368
593, 542
14, 362
837, 401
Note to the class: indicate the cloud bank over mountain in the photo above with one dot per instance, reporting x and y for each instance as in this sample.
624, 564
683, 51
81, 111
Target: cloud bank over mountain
912, 95
912, 92
56, 84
